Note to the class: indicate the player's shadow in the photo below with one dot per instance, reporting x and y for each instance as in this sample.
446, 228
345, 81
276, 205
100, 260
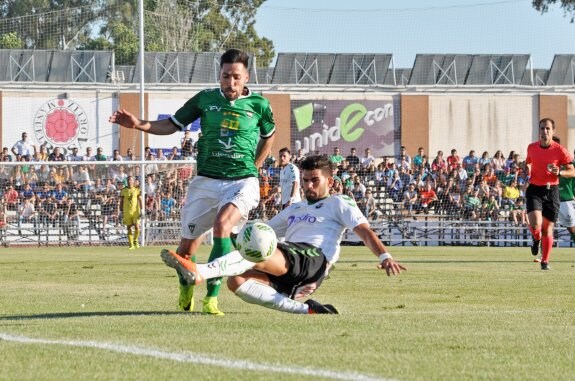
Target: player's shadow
67, 315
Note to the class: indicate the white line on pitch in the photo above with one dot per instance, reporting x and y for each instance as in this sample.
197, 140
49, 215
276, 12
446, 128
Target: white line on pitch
194, 358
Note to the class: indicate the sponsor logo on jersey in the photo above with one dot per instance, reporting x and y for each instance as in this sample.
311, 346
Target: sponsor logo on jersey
191, 228
308, 218
319, 205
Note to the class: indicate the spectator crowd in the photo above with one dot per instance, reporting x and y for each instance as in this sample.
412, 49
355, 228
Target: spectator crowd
472, 187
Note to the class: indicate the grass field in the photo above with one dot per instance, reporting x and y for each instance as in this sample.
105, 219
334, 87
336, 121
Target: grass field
458, 314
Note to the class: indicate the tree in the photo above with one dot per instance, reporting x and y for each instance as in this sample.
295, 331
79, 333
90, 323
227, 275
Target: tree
170, 25
567, 5
10, 41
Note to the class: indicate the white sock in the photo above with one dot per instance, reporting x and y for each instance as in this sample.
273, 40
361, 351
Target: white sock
228, 265
252, 291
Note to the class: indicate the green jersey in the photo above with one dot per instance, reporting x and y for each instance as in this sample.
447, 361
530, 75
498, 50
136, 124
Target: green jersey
566, 188
230, 131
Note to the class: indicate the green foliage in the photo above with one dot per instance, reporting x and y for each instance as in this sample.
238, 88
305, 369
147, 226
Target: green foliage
567, 5
170, 26
10, 41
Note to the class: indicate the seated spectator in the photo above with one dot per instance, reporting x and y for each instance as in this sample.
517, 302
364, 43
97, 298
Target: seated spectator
418, 159
427, 198
26, 214
518, 213
498, 162
490, 208
56, 155
358, 191
453, 160
403, 155
337, 187
116, 156
73, 156
28, 193
510, 195
455, 201
100, 155
130, 155
471, 204
484, 159
6, 155
469, 161
369, 205
336, 158
438, 162
411, 199
167, 206
49, 212
366, 160
174, 155
11, 199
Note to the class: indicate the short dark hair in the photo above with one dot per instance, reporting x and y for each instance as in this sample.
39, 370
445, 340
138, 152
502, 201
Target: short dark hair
320, 162
232, 56
545, 120
285, 149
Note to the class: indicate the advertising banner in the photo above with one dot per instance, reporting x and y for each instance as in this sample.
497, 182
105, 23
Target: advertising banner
319, 125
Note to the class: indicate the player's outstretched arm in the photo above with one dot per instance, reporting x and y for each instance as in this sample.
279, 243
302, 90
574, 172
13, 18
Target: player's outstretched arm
128, 120
370, 239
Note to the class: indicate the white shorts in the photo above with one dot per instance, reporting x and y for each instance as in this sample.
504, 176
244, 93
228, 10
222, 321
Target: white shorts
205, 198
567, 213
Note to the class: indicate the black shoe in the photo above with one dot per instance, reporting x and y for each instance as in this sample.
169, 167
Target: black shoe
318, 308
544, 266
535, 247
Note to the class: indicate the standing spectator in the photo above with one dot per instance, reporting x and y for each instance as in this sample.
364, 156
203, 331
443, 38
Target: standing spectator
187, 145
336, 158
369, 205
453, 160
71, 219
131, 207
353, 159
167, 206
491, 208
544, 160
23, 147
289, 179
43, 152
454, 202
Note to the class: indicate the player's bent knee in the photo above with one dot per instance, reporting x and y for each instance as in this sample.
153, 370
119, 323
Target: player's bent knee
234, 282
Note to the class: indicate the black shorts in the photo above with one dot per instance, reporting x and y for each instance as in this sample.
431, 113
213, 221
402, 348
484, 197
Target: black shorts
545, 199
306, 265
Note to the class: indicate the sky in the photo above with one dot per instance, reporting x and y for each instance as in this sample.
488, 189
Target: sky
409, 27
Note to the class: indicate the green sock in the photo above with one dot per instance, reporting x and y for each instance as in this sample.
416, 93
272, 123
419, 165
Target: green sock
573, 237
221, 247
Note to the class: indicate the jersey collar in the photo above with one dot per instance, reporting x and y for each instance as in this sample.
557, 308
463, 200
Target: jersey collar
249, 92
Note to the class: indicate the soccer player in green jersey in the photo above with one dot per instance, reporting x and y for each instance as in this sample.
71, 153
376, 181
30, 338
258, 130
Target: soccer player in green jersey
567, 205
237, 132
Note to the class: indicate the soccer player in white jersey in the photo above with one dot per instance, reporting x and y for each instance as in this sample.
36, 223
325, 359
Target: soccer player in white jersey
237, 132
289, 179
312, 229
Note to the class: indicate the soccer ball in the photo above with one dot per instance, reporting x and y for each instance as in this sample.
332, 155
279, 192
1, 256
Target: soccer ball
256, 242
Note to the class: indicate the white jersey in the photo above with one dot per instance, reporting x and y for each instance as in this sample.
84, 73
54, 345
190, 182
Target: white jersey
320, 224
288, 175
